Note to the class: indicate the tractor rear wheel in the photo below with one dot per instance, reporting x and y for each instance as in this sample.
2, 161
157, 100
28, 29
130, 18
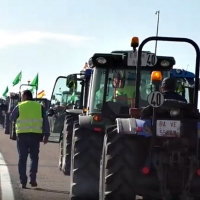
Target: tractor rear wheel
12, 131
86, 155
67, 142
121, 160
6, 124
60, 153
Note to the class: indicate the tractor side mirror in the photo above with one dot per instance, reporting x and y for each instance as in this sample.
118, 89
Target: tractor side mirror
71, 81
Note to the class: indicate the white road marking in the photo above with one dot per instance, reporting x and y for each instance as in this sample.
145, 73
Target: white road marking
6, 185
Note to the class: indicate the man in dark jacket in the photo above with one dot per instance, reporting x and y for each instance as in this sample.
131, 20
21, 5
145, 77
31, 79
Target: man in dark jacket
168, 89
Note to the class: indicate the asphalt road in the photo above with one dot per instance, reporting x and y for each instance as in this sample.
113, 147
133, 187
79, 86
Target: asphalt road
52, 184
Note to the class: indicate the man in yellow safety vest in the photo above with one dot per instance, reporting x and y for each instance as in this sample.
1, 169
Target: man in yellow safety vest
31, 126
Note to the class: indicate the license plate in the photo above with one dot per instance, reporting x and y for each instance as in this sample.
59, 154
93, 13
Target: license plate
168, 128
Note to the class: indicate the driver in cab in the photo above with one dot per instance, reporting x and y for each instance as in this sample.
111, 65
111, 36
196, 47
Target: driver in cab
128, 89
168, 88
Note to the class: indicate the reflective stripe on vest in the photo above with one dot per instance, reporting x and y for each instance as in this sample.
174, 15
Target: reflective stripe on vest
30, 118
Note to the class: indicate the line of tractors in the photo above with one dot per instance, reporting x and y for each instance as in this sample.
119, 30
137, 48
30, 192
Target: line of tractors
107, 149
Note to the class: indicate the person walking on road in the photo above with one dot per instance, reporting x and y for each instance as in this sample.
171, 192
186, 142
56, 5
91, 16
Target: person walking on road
32, 126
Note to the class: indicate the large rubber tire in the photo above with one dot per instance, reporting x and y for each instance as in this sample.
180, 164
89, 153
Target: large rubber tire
6, 124
60, 153
86, 155
12, 131
122, 157
67, 142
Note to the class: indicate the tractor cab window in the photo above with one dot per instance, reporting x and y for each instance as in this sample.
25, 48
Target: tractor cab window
68, 97
120, 90
185, 89
97, 84
146, 86
62, 94
124, 82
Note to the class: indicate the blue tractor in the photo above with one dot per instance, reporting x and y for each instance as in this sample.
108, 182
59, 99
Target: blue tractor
156, 157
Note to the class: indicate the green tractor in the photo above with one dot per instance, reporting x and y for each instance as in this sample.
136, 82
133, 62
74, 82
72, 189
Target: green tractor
156, 157
63, 97
112, 95
69, 104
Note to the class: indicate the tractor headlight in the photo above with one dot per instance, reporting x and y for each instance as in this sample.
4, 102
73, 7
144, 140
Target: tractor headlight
178, 71
165, 63
101, 60
175, 112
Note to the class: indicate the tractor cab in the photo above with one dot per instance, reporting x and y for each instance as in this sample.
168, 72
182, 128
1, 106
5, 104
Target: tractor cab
113, 82
68, 96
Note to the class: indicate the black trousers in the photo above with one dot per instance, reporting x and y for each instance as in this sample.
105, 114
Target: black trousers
28, 144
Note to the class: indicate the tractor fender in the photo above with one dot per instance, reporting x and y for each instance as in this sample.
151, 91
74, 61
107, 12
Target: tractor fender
74, 111
85, 120
126, 126
134, 126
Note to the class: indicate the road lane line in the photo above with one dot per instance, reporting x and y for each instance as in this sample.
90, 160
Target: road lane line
6, 185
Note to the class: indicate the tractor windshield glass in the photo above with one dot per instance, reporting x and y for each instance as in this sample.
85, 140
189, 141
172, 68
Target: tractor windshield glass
62, 95
185, 88
120, 91
146, 87
68, 97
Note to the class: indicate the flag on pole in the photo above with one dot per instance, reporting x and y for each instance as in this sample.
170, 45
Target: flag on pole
17, 79
34, 83
5, 92
41, 94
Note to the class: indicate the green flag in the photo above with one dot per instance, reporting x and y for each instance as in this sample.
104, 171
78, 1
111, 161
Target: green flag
5, 92
72, 98
35, 82
17, 79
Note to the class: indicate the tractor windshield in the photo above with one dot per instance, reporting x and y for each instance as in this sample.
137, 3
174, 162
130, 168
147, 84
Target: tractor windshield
68, 97
185, 88
62, 95
120, 87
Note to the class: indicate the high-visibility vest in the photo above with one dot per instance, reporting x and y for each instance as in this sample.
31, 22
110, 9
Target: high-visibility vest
127, 90
30, 118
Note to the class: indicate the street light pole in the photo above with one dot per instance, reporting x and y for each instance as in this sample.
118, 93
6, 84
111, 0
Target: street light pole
157, 13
